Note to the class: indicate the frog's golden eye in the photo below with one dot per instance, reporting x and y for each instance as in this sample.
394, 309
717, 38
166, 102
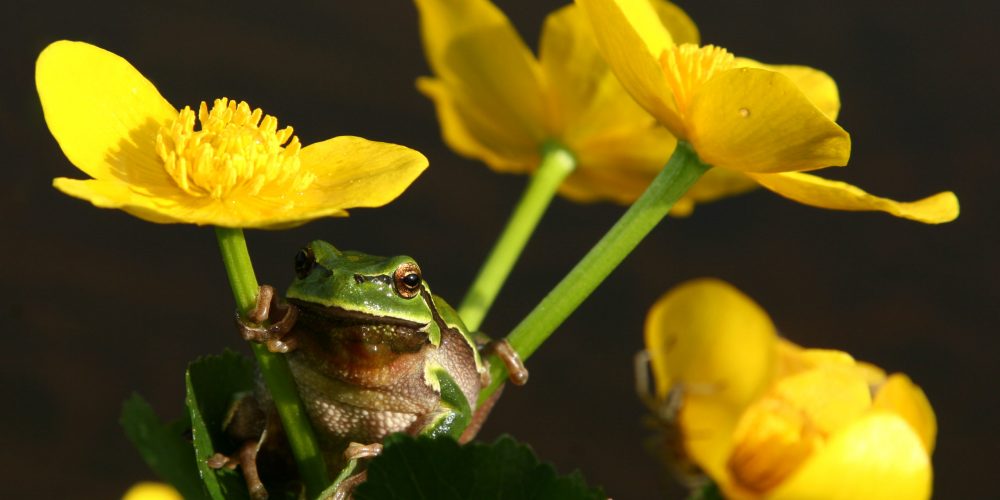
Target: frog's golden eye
407, 280
305, 261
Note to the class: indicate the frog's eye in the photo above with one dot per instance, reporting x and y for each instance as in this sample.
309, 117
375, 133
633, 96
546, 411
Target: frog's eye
305, 261
407, 280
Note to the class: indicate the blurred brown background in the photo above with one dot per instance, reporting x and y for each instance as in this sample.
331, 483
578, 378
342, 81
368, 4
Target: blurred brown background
96, 304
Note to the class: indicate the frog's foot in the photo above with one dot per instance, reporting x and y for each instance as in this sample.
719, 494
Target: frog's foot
358, 450
516, 371
355, 451
275, 335
246, 459
345, 489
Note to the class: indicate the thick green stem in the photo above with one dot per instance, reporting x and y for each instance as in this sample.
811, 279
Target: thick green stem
557, 163
274, 367
683, 169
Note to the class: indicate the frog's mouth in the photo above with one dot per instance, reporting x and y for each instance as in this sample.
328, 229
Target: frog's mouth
357, 331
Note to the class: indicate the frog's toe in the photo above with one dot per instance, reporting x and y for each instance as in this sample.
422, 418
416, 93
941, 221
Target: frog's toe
262, 308
358, 450
251, 332
246, 459
282, 346
345, 489
516, 371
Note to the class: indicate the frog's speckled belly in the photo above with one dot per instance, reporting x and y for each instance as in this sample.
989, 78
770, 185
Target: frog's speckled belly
343, 412
353, 402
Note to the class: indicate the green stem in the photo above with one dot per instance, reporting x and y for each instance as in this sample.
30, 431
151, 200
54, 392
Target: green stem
274, 367
679, 174
557, 162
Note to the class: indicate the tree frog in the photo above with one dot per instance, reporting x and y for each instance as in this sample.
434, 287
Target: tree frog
373, 352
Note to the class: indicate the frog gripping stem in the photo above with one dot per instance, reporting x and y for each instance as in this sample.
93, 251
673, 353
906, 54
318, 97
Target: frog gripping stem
516, 371
276, 334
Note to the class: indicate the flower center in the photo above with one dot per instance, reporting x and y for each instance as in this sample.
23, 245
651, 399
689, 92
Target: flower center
688, 66
236, 152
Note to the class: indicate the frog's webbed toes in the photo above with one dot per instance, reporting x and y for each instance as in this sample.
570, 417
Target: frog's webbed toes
276, 334
516, 371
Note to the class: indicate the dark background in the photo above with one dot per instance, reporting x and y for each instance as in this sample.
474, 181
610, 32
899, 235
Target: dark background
96, 304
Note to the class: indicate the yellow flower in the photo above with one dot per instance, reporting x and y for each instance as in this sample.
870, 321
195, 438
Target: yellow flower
768, 123
235, 168
149, 490
765, 418
500, 104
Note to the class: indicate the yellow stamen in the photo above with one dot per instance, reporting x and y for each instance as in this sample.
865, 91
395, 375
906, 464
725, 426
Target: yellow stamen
771, 440
236, 152
688, 66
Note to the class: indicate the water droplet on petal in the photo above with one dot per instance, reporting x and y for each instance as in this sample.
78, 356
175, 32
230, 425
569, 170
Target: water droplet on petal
744, 112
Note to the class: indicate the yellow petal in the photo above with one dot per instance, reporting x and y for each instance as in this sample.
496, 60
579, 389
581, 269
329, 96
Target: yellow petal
496, 151
682, 29
585, 96
573, 67
710, 339
684, 207
587, 99
755, 120
874, 374
836, 195
830, 395
103, 112
717, 183
618, 145
707, 427
242, 212
356, 172
876, 457
489, 73
148, 490
772, 439
631, 38
818, 87
115, 194
618, 167
901, 396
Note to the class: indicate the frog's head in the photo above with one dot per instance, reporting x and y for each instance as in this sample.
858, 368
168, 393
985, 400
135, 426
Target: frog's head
379, 289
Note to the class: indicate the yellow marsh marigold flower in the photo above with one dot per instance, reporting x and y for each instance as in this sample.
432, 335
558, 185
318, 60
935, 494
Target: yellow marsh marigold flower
768, 123
226, 164
148, 490
500, 104
765, 418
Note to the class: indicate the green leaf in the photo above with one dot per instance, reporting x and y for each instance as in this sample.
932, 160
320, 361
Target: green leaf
211, 383
425, 467
163, 447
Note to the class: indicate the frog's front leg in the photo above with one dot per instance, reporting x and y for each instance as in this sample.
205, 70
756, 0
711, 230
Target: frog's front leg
276, 334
